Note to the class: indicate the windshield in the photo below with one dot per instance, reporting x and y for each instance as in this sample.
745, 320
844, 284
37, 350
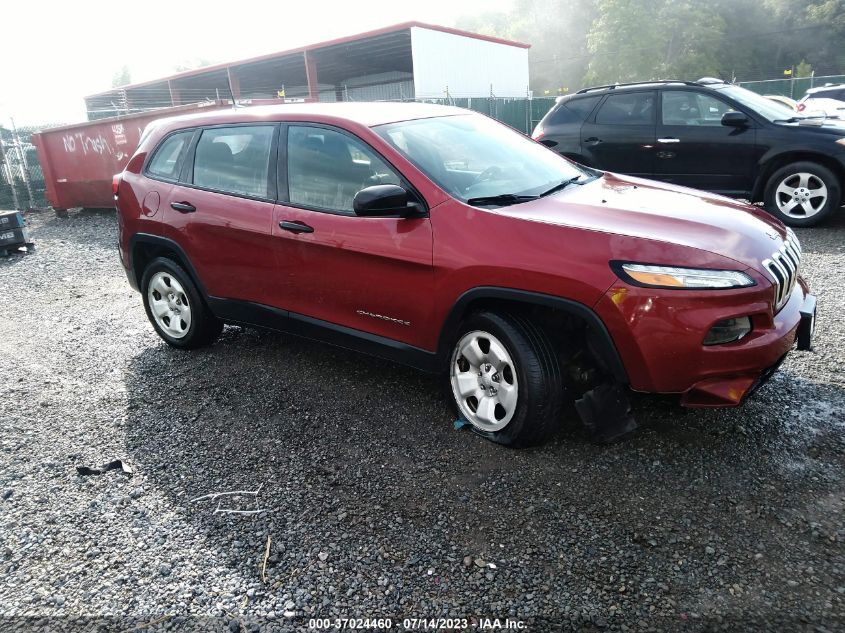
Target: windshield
471, 156
763, 106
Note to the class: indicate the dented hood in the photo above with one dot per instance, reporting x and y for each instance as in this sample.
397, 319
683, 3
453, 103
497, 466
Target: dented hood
639, 208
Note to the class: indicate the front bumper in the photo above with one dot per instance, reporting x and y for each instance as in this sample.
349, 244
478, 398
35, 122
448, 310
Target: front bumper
659, 336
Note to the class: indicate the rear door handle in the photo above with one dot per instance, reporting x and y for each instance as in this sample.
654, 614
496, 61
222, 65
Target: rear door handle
668, 140
295, 227
183, 207
593, 140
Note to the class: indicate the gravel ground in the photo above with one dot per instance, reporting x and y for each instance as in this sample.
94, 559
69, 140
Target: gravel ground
374, 504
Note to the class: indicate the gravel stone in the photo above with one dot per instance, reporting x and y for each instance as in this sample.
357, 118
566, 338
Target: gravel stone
707, 520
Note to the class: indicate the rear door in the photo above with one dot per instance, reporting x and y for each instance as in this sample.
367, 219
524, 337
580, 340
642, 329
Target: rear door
694, 149
372, 274
222, 212
620, 135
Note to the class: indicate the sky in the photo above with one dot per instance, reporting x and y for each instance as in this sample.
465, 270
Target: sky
57, 52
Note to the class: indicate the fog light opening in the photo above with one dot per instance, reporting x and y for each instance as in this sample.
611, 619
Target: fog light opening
728, 331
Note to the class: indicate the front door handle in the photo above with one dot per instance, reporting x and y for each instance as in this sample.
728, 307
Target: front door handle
593, 140
295, 227
669, 140
183, 207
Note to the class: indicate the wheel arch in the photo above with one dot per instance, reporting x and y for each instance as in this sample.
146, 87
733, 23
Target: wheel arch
508, 299
144, 248
771, 164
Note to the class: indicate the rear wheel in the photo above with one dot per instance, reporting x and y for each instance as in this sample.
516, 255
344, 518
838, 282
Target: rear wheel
504, 378
802, 193
175, 308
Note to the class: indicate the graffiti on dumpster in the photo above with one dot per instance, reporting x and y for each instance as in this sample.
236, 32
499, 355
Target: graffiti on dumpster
88, 144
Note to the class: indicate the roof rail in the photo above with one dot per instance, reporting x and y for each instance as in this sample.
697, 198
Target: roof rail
639, 83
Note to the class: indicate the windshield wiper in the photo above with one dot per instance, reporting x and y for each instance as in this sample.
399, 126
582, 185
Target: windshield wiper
502, 199
562, 185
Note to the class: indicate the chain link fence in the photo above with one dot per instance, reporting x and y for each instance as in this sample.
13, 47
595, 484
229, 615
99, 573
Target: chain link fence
792, 88
21, 177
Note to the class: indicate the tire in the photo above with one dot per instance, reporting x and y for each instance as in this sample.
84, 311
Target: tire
515, 357
169, 294
802, 193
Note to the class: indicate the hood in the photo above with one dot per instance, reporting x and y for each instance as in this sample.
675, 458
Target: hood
830, 126
638, 208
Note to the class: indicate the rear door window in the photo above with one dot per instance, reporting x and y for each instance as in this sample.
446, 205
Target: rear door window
327, 168
166, 161
235, 160
628, 108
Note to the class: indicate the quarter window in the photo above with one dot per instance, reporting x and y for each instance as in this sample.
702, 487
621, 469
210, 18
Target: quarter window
629, 108
573, 110
165, 162
235, 160
326, 168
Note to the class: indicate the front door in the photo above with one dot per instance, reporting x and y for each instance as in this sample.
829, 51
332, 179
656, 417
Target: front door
694, 149
370, 274
619, 137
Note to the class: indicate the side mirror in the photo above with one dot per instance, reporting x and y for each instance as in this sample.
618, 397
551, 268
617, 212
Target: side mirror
383, 200
734, 119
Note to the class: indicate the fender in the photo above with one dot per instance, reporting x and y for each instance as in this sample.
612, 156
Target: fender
791, 153
599, 335
162, 242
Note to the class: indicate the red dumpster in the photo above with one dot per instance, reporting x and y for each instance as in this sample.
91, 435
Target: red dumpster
79, 160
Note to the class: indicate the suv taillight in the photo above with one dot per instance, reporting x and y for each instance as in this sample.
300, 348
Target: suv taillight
800, 107
115, 184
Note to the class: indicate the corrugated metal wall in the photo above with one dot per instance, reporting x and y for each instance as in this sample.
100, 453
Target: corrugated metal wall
482, 65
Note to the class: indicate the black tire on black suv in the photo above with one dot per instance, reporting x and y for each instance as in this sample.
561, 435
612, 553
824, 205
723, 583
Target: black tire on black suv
497, 356
803, 193
175, 308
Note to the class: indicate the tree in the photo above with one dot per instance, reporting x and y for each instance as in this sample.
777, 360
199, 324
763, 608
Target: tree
633, 40
803, 69
121, 77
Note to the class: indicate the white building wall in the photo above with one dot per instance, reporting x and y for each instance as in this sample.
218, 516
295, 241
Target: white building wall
466, 65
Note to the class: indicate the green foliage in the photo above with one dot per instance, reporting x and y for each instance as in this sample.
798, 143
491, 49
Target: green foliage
122, 77
803, 69
587, 42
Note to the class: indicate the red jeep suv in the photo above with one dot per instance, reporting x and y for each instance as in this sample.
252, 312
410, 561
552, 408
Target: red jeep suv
442, 239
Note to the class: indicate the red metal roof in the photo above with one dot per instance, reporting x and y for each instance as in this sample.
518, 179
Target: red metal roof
342, 40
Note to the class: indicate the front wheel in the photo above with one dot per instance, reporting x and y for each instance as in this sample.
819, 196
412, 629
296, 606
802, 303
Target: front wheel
504, 378
175, 308
802, 194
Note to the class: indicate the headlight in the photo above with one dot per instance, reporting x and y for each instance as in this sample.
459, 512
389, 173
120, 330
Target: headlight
675, 277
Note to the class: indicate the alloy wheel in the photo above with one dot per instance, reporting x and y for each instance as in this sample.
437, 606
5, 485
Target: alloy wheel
801, 195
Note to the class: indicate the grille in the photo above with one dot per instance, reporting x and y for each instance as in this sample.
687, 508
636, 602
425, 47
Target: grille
783, 268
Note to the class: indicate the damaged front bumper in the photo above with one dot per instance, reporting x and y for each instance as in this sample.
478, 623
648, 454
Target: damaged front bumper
663, 350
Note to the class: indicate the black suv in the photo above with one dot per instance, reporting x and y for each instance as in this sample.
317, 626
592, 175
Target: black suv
707, 135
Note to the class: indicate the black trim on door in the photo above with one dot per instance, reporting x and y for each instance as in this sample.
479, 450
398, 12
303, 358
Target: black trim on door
255, 314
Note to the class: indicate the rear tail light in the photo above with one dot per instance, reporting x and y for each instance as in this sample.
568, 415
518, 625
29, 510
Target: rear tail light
538, 134
800, 107
115, 184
